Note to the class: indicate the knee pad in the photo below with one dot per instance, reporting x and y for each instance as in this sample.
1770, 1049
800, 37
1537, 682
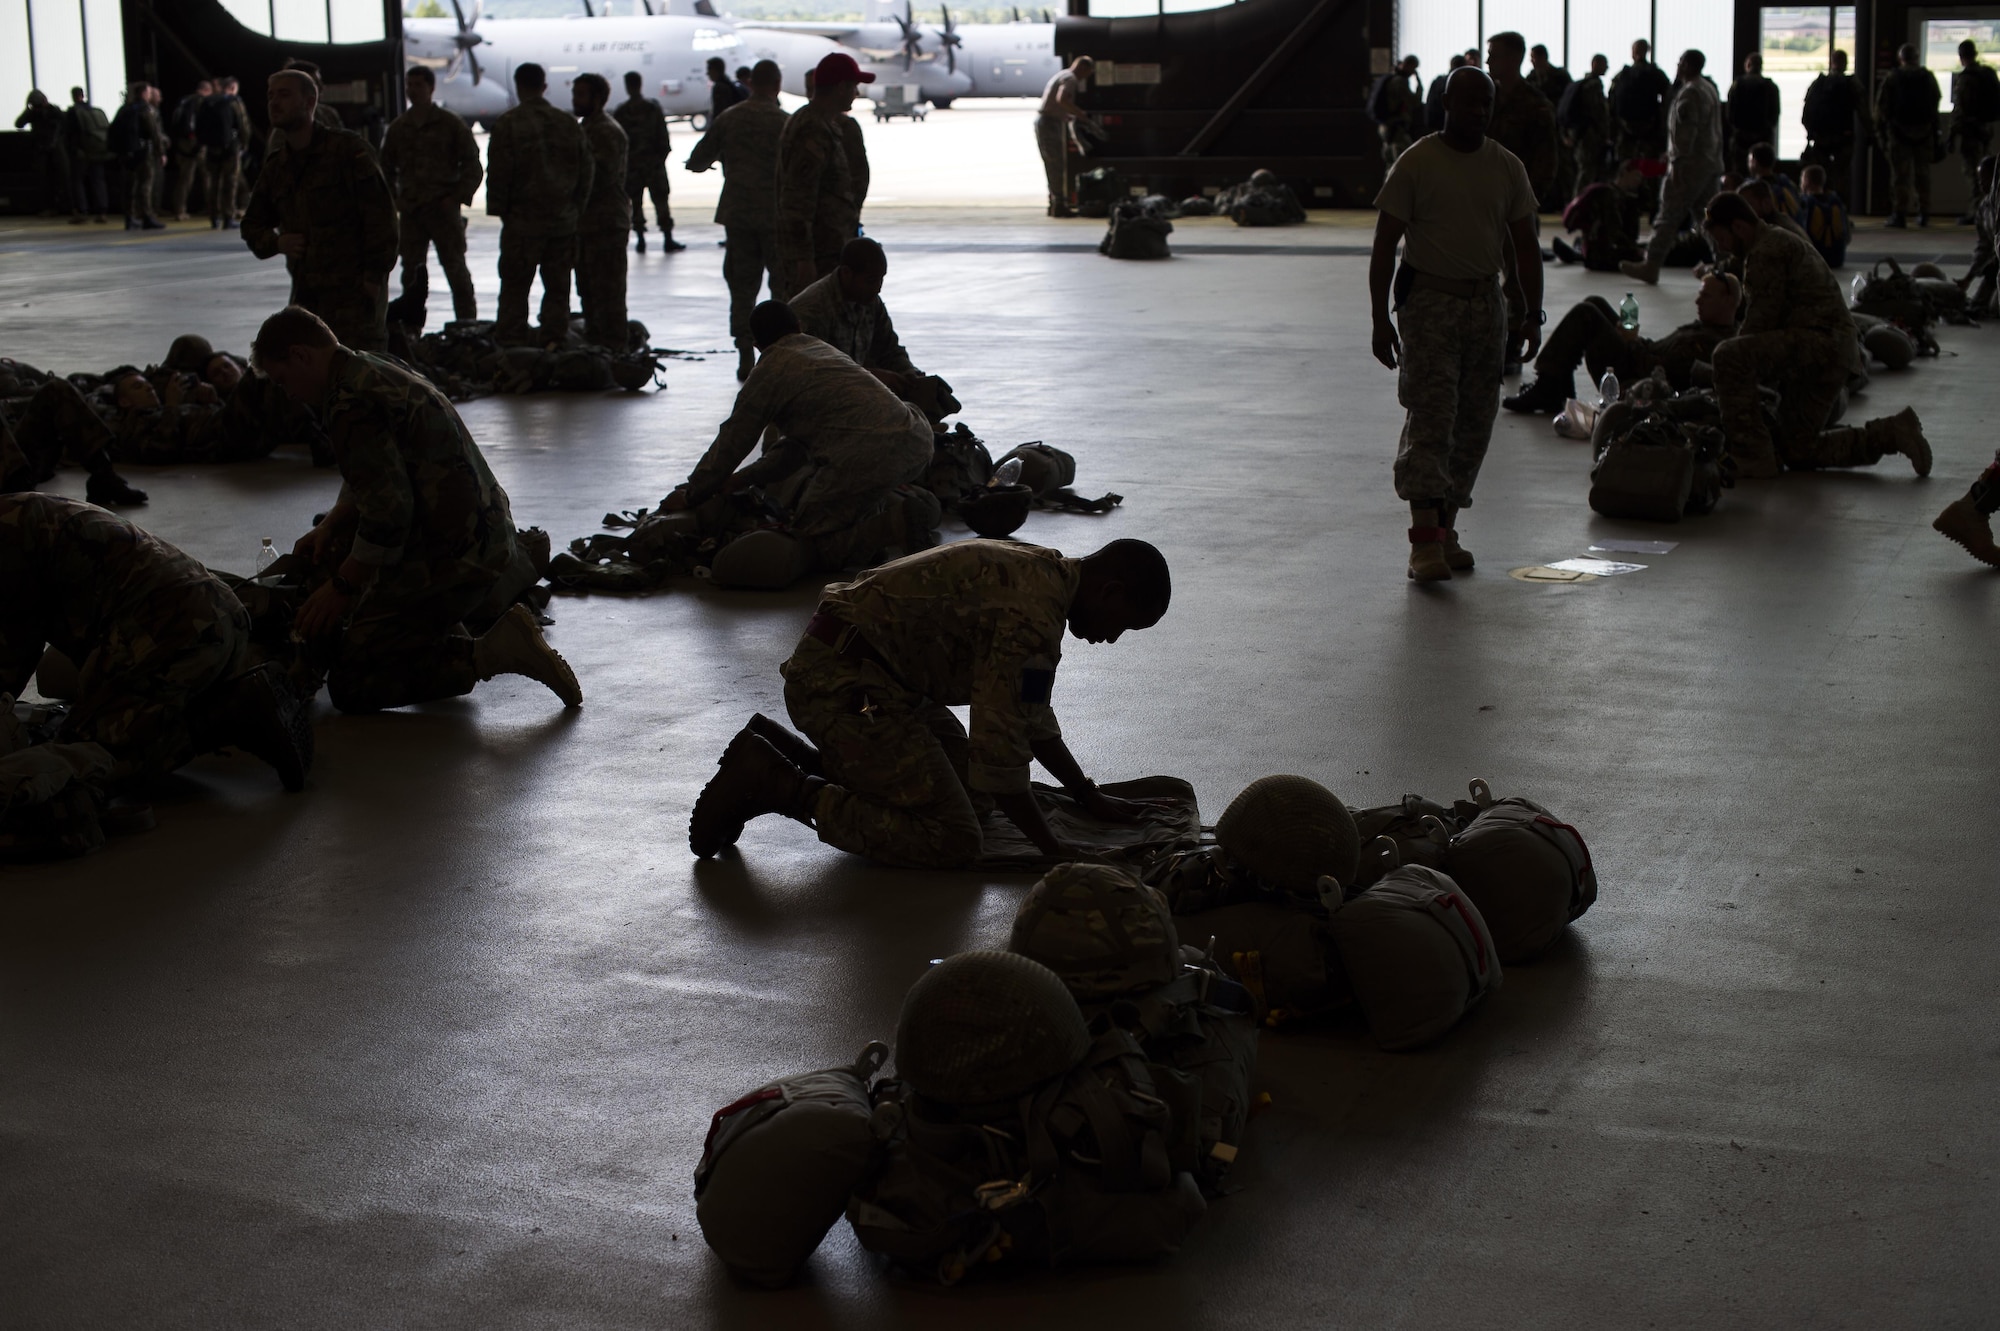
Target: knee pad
761, 561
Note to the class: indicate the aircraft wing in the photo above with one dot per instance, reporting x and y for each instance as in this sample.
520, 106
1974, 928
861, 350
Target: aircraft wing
834, 31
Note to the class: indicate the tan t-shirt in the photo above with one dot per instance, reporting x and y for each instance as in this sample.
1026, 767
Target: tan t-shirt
1052, 94
1457, 206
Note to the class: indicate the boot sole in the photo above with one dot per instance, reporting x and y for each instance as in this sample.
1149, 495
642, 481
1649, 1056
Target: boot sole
730, 831
1989, 557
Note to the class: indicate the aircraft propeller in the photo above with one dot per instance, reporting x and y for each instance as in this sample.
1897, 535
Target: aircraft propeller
913, 39
948, 38
463, 41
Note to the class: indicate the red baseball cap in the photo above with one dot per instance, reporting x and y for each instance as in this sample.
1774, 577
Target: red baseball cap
839, 68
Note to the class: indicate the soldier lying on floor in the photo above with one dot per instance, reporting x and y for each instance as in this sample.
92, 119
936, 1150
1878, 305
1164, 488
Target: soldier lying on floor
885, 769
44, 423
160, 644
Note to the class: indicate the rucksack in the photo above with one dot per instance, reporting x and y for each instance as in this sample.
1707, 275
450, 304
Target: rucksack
1979, 93
1655, 460
1829, 108
187, 111
1045, 468
1528, 872
1417, 952
1092, 1166
122, 138
1569, 107
1893, 295
1639, 94
1378, 99
93, 133
215, 123
1135, 234
1098, 190
1910, 96
779, 1165
1202, 1025
1827, 225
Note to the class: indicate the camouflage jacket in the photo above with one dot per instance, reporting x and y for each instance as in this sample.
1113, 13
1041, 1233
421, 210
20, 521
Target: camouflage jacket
430, 510
148, 135
645, 124
429, 156
77, 577
1525, 124
1694, 127
1788, 287
745, 140
1590, 106
608, 209
860, 330
815, 395
333, 194
1551, 81
538, 170
974, 622
822, 183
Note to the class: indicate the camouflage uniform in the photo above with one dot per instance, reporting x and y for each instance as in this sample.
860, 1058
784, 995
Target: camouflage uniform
1589, 139
333, 194
1973, 135
431, 518
1906, 110
1797, 337
142, 170
1448, 382
1524, 124
431, 160
600, 236
1694, 165
538, 172
860, 330
846, 443
975, 622
151, 630
1402, 119
645, 166
1552, 82
822, 183
745, 140
52, 423
1589, 335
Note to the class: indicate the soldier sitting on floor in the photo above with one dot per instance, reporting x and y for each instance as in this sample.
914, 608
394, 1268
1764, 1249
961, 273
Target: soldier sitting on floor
886, 770
160, 644
1590, 335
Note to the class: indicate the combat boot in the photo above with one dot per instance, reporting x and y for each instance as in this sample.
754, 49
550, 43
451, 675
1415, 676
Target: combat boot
753, 779
260, 715
746, 361
797, 750
640, 248
107, 489
1427, 540
515, 646
1456, 556
668, 243
1902, 433
1549, 392
1640, 270
1962, 522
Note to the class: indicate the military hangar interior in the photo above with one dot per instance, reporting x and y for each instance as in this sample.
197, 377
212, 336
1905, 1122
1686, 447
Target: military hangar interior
440, 1039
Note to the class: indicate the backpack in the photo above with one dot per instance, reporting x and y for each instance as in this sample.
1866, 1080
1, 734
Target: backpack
1091, 1166
778, 1166
1378, 99
93, 133
1828, 112
1893, 295
1645, 471
1098, 190
1569, 108
1979, 93
1417, 952
1946, 297
1827, 225
187, 111
1045, 468
215, 123
1638, 95
122, 139
1135, 234
1528, 872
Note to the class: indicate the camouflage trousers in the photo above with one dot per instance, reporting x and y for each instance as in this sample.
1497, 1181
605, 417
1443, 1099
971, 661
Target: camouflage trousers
600, 287
52, 426
140, 690
853, 506
1449, 385
438, 225
1808, 369
187, 165
140, 177
407, 645
1052, 142
1395, 142
1683, 195
521, 257
1975, 140
358, 316
895, 762
652, 181
747, 256
221, 182
1910, 175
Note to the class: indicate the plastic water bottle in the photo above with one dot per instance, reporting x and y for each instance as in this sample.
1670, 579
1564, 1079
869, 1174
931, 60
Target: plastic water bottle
267, 555
1628, 314
1607, 390
1008, 473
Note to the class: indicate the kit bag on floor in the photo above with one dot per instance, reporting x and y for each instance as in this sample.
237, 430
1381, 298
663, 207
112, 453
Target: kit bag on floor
1527, 871
1893, 295
1135, 234
779, 1165
1202, 1027
1089, 1167
1653, 467
1045, 468
1421, 830
1417, 953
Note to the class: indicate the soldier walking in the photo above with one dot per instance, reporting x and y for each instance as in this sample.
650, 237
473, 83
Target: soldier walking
1906, 116
1694, 165
432, 163
744, 139
538, 172
822, 177
644, 122
322, 203
1463, 208
600, 232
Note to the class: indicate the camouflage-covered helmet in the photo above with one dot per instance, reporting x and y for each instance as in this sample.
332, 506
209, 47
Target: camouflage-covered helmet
1288, 830
986, 1026
190, 354
1099, 928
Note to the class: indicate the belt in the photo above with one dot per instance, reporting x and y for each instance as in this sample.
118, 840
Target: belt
1466, 288
844, 638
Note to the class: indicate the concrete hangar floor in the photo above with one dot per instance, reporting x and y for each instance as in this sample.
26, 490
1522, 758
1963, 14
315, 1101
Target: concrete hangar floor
435, 1043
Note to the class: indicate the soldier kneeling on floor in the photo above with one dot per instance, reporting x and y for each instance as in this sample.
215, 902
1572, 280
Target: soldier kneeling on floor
885, 769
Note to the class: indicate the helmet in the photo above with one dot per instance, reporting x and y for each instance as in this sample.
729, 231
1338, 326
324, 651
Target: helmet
985, 1026
1929, 270
1099, 928
1890, 345
190, 353
1289, 830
